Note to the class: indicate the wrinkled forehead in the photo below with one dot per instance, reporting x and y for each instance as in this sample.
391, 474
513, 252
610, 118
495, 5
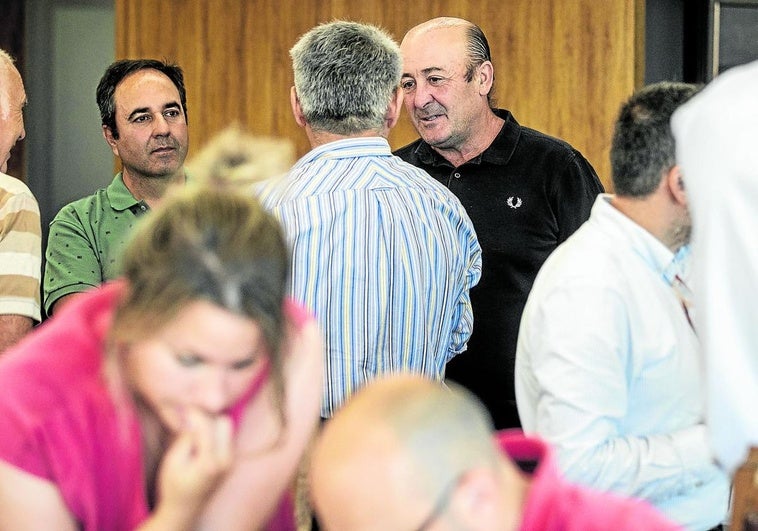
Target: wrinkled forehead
145, 88
443, 48
12, 94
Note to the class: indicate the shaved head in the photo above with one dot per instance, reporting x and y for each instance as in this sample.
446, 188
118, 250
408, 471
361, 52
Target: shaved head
384, 460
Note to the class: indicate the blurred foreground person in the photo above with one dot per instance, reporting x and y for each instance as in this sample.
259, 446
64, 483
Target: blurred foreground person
716, 138
406, 453
180, 396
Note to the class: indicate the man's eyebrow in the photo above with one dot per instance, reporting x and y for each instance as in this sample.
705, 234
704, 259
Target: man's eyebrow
141, 110
425, 71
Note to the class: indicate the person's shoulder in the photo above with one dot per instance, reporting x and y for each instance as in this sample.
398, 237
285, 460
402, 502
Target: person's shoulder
586, 258
82, 207
13, 186
531, 138
408, 152
547, 142
590, 509
15, 196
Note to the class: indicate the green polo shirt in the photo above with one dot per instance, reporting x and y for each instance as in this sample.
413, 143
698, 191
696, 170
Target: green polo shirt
86, 240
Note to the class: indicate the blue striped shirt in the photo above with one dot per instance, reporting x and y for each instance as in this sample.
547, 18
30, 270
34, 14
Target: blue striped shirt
383, 255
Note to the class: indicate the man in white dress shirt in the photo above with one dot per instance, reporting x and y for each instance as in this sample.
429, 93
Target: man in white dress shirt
607, 366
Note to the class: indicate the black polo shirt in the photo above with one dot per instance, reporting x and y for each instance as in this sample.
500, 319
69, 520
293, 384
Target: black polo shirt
525, 194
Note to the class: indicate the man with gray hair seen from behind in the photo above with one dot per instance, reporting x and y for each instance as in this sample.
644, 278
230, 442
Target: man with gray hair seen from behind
406, 453
143, 110
607, 366
716, 143
20, 246
383, 255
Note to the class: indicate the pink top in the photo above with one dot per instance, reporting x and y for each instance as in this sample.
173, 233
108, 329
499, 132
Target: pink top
555, 505
59, 420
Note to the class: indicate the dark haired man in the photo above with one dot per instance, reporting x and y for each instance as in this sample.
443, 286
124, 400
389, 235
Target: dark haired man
607, 365
524, 191
143, 109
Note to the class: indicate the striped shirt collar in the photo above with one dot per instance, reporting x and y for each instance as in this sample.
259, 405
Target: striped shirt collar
347, 148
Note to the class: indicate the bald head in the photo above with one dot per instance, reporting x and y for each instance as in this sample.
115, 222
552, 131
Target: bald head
436, 23
12, 101
397, 453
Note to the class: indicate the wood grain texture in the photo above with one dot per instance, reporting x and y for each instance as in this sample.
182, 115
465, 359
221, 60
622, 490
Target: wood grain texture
562, 67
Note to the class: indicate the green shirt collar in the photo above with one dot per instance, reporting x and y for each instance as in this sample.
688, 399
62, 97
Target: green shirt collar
119, 195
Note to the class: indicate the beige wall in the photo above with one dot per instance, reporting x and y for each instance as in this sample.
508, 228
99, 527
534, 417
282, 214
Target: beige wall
561, 66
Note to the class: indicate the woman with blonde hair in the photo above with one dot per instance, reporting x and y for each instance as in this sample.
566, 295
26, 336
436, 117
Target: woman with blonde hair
178, 397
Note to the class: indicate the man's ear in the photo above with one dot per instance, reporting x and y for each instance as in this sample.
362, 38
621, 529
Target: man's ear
394, 109
485, 77
297, 110
475, 499
108, 135
676, 184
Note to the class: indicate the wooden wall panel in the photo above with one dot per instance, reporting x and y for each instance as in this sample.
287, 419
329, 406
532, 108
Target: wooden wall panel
561, 67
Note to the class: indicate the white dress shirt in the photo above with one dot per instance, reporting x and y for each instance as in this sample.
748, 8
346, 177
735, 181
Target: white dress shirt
607, 371
717, 148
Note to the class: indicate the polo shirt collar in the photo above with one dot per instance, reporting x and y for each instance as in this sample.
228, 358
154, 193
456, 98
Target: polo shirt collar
119, 195
499, 152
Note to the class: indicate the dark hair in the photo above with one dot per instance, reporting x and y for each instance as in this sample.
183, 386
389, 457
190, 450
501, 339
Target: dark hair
643, 145
478, 52
116, 72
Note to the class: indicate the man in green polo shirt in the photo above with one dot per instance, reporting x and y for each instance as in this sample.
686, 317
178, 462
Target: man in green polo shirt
143, 107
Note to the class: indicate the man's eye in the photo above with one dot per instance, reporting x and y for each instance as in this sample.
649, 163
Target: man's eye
435, 80
172, 113
407, 85
141, 118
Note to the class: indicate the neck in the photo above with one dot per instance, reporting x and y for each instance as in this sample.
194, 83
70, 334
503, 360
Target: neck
651, 214
155, 441
513, 496
319, 138
487, 129
151, 189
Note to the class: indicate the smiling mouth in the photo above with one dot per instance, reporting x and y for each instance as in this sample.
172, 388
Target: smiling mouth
429, 119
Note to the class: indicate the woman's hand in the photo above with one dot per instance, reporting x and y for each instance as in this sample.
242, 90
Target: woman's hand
192, 467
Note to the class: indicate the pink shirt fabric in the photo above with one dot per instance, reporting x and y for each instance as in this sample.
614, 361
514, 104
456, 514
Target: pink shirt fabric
556, 505
59, 420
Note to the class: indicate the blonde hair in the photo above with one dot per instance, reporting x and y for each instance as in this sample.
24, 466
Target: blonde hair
208, 243
235, 157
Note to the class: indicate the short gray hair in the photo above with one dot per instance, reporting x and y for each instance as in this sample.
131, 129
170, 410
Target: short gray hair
346, 74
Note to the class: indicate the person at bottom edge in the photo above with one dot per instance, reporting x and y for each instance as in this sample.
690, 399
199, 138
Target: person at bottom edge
432, 453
